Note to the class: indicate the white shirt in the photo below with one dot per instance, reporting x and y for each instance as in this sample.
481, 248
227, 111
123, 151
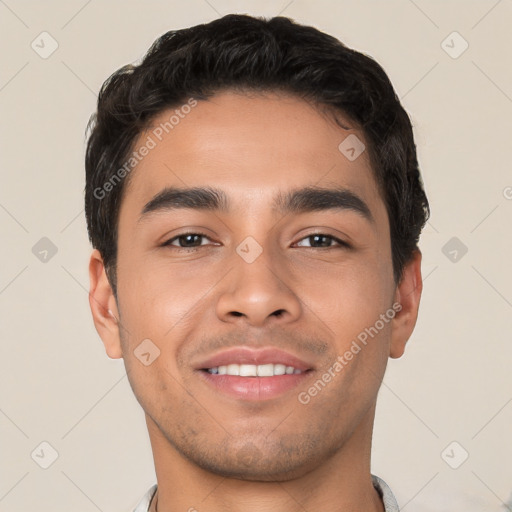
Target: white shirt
390, 504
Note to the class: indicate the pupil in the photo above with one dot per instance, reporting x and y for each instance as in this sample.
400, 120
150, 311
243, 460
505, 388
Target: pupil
188, 239
317, 239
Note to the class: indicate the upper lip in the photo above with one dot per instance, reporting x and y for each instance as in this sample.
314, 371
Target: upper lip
246, 355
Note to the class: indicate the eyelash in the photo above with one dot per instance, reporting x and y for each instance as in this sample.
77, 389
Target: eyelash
341, 243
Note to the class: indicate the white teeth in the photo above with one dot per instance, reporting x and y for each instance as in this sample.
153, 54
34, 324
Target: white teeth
265, 370
248, 370
279, 369
252, 370
233, 369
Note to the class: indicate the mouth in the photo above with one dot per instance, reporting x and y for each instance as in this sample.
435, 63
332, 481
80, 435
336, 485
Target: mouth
253, 375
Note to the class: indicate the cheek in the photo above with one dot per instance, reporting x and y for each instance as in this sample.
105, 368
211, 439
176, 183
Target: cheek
161, 308
158, 298
349, 299
353, 311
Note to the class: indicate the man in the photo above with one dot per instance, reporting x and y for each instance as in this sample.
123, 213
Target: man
254, 202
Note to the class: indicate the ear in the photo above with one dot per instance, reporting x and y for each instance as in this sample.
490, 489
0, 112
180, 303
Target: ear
407, 294
103, 306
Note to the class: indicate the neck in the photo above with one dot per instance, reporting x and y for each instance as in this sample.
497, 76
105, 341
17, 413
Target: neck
341, 483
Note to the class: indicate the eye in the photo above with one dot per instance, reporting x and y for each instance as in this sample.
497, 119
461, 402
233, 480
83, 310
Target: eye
187, 240
314, 241
320, 240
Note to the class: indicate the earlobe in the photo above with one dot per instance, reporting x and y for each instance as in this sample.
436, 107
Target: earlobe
408, 294
103, 306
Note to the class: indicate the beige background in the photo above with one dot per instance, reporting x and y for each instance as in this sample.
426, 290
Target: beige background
454, 382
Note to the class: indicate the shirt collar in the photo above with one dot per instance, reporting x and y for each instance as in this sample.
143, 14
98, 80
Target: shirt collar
390, 503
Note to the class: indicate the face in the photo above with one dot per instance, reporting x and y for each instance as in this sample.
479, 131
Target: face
274, 269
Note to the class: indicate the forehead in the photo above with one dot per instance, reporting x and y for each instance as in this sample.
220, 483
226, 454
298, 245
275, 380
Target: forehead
250, 145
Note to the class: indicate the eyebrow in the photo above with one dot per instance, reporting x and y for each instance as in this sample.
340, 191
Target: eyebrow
302, 200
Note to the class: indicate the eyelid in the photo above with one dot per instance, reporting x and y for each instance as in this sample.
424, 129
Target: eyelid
339, 241
168, 241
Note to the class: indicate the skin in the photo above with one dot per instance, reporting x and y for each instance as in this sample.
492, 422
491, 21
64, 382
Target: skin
211, 451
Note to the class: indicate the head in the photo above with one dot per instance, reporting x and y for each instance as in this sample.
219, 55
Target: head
298, 230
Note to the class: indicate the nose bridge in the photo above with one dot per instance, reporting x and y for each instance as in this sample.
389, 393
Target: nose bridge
255, 289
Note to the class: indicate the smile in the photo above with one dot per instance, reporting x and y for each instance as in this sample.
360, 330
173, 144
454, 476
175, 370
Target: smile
252, 370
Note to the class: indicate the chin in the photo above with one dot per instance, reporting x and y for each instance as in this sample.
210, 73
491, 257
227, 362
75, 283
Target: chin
250, 463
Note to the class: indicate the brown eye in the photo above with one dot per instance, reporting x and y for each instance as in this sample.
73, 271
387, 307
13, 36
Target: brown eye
319, 241
186, 240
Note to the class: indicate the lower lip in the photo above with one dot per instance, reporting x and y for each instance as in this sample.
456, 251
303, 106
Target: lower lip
254, 388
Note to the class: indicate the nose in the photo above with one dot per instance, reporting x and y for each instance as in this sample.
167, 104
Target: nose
257, 293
